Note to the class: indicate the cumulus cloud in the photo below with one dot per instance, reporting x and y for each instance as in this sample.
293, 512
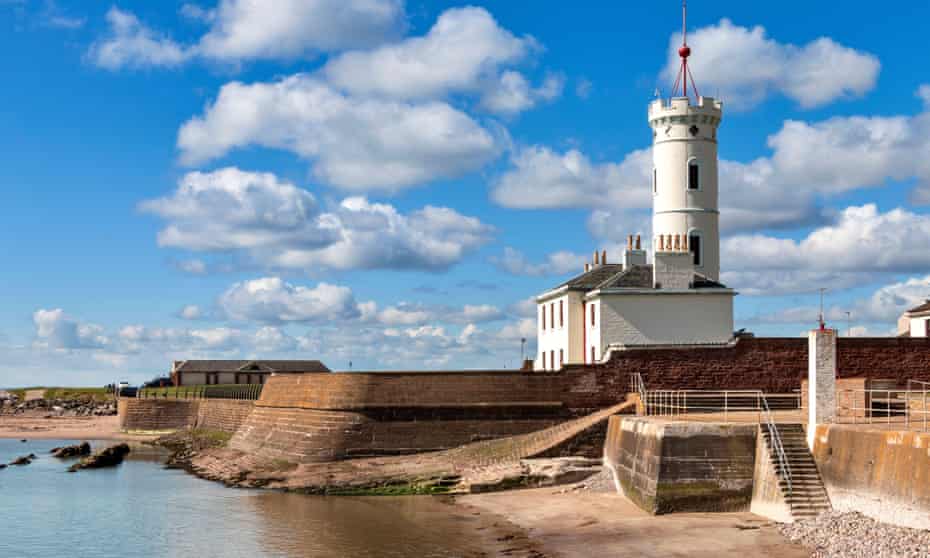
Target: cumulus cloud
57, 330
557, 263
272, 300
513, 93
464, 49
191, 312
274, 224
543, 178
242, 30
862, 239
131, 44
781, 282
747, 66
359, 144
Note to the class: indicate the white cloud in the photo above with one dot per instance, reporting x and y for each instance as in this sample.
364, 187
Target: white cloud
245, 29
543, 178
557, 263
193, 266
862, 239
242, 30
192, 312
584, 87
513, 93
56, 330
131, 44
781, 282
355, 143
747, 66
272, 300
464, 49
274, 224
53, 16
272, 340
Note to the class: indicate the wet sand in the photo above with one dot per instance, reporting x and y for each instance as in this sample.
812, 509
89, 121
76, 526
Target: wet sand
561, 522
35, 426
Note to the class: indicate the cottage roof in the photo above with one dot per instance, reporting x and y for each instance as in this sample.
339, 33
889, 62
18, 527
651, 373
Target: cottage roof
252, 365
925, 307
613, 276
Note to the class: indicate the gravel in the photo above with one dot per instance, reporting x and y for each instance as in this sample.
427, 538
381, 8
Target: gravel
853, 535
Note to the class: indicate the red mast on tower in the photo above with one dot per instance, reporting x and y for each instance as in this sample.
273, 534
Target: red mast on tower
685, 51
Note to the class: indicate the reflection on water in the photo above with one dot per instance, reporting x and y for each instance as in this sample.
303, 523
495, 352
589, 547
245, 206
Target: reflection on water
142, 509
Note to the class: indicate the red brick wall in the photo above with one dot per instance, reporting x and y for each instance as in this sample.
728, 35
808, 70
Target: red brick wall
879, 358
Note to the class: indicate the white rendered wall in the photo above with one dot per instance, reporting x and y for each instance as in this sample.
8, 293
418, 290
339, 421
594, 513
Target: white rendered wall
648, 319
593, 332
919, 326
676, 209
559, 336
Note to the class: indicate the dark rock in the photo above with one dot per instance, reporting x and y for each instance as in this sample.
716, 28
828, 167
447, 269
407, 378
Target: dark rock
77, 450
2, 466
24, 460
109, 457
24, 441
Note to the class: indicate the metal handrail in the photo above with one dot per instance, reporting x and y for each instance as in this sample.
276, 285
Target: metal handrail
776, 439
878, 406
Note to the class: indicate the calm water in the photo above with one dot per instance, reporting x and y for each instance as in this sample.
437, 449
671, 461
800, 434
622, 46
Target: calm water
142, 509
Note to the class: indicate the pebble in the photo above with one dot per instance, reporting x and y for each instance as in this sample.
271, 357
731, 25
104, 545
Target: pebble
854, 535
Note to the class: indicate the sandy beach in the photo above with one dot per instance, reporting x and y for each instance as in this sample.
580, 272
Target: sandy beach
579, 523
35, 426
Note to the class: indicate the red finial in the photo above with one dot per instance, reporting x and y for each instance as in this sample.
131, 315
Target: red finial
684, 52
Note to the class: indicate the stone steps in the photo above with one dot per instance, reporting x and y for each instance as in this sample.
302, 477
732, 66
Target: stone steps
808, 497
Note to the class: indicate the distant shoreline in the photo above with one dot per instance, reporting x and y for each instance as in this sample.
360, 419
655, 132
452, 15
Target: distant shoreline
35, 426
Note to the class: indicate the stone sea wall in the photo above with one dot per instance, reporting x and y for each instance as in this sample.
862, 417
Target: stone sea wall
175, 414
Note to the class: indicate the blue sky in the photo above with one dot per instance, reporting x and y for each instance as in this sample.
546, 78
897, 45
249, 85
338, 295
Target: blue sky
388, 183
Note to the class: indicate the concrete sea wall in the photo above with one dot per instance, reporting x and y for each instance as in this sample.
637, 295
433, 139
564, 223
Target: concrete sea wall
668, 466
882, 473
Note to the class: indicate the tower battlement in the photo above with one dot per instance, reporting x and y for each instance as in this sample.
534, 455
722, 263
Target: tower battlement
680, 110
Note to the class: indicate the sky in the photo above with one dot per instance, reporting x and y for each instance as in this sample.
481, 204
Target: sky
384, 184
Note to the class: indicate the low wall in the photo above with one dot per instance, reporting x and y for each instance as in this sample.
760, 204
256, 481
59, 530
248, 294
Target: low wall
175, 414
666, 466
156, 414
881, 473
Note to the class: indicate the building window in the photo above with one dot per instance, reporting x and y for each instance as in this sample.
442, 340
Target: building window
561, 315
697, 251
593, 356
694, 175
552, 314
543, 310
544, 359
552, 358
655, 181
592, 314
561, 358
926, 334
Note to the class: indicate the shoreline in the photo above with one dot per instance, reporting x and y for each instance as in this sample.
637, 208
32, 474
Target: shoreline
38, 426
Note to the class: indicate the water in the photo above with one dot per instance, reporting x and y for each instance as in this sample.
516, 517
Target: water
141, 509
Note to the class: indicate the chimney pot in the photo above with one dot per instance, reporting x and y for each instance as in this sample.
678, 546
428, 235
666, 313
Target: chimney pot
604, 257
639, 244
597, 260
629, 242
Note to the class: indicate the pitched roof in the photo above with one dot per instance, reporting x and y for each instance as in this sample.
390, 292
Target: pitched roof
591, 279
245, 365
925, 307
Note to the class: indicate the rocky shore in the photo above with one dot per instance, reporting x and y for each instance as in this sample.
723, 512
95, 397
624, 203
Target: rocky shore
81, 406
853, 535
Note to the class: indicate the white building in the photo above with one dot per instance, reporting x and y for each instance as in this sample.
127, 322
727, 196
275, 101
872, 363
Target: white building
675, 300
915, 322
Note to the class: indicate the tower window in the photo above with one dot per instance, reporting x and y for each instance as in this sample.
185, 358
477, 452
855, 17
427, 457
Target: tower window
694, 175
593, 357
655, 181
544, 359
552, 314
694, 244
543, 308
561, 315
592, 314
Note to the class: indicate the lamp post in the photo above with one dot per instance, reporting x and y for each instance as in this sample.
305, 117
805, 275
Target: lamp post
848, 324
522, 351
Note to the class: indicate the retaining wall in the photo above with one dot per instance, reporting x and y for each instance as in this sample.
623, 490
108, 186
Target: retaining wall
175, 414
667, 466
882, 473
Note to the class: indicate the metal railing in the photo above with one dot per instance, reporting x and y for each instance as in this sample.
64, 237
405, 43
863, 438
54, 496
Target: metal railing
244, 392
905, 408
739, 405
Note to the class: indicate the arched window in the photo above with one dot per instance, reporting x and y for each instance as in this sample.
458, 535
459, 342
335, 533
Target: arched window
694, 175
696, 247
